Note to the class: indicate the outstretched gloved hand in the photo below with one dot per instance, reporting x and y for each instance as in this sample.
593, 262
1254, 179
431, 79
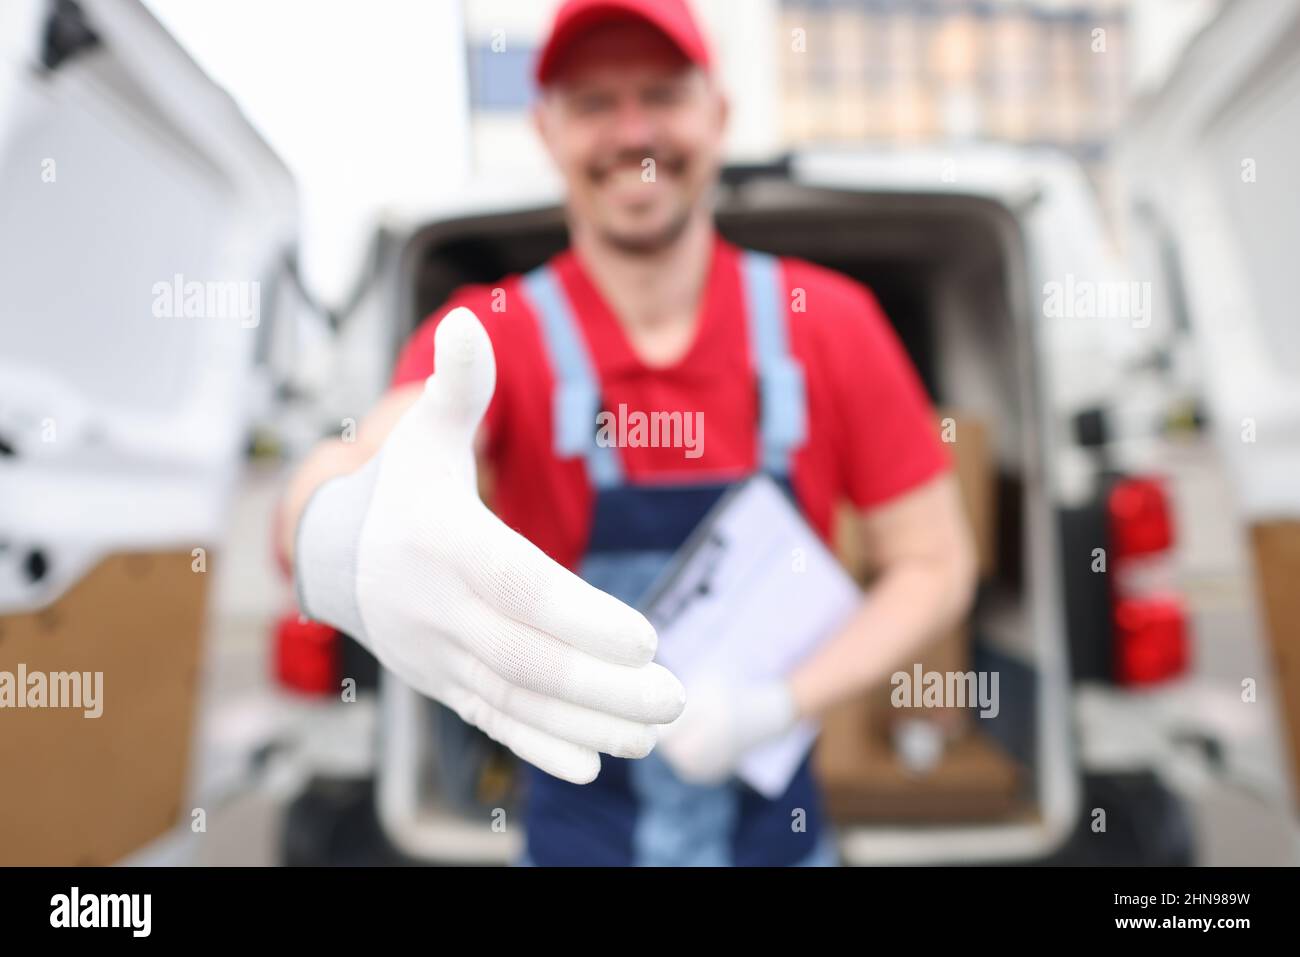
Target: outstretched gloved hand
405, 557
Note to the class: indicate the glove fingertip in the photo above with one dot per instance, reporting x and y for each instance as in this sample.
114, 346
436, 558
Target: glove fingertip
663, 695
629, 638
581, 772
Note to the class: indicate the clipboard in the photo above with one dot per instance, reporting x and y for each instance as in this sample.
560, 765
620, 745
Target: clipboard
749, 595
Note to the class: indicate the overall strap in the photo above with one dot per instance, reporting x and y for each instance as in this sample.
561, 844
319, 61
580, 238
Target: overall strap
782, 398
576, 402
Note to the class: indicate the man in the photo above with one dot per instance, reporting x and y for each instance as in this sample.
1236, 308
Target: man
651, 311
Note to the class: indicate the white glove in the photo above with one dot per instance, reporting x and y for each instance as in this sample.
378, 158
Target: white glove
404, 556
720, 724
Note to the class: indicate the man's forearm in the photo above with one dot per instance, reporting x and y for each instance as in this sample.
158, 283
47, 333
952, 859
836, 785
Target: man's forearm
910, 605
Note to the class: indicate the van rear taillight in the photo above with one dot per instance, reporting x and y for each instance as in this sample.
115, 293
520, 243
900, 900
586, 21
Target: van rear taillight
306, 656
1151, 633
1151, 640
1140, 522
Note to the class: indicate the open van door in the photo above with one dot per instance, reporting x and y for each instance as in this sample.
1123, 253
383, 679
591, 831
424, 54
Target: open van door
1210, 173
143, 231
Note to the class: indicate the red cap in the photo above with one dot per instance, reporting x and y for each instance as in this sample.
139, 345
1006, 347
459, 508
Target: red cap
672, 18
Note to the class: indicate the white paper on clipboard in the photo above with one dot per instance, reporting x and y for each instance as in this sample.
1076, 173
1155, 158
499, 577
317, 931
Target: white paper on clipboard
750, 595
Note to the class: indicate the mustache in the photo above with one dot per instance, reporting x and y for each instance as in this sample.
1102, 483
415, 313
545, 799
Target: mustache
669, 161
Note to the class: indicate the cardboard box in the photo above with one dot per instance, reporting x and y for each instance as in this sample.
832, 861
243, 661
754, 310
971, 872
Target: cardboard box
88, 790
861, 773
1276, 548
863, 779
977, 477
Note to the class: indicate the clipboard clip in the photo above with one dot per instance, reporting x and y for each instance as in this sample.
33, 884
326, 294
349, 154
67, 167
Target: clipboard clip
694, 582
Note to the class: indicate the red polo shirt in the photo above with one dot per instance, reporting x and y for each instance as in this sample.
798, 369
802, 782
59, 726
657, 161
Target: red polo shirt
871, 432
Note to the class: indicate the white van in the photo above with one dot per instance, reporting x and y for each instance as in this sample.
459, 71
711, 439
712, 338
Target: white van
1209, 165
958, 246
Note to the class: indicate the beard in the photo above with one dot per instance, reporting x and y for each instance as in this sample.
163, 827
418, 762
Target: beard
640, 242
647, 243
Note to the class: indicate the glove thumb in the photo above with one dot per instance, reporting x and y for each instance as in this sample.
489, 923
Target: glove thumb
464, 376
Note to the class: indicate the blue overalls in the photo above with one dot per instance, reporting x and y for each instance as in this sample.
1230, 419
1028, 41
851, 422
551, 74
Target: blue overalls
637, 812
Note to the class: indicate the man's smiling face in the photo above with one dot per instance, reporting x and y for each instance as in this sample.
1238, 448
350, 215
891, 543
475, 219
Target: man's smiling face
622, 96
